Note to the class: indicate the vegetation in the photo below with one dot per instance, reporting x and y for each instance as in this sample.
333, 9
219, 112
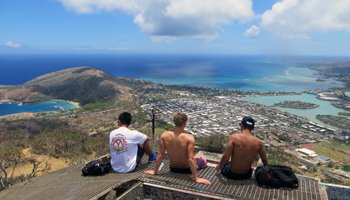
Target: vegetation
10, 156
284, 137
328, 152
296, 105
212, 143
336, 145
89, 90
61, 143
97, 105
346, 167
52, 137
337, 121
277, 156
347, 114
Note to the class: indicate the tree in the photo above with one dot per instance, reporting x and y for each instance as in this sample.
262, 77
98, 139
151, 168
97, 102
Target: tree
10, 156
39, 166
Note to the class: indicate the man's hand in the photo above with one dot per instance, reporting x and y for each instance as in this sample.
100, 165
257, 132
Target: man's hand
202, 180
150, 171
217, 168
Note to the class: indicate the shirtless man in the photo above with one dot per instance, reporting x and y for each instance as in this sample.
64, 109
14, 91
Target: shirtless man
180, 148
242, 148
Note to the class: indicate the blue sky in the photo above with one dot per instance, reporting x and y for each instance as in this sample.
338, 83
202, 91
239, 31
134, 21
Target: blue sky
285, 27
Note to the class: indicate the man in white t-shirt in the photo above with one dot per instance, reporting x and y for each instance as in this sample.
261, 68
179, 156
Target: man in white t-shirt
127, 146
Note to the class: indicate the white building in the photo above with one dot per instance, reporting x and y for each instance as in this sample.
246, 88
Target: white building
306, 152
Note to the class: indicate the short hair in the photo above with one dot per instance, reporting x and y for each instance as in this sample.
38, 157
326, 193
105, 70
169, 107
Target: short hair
125, 118
179, 119
248, 123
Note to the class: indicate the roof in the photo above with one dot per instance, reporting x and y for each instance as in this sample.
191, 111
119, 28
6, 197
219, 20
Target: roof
307, 151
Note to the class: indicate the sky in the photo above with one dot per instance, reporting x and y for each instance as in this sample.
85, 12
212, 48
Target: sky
240, 27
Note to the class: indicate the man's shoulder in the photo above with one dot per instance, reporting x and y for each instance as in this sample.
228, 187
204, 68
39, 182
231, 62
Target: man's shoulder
234, 136
188, 137
167, 133
113, 131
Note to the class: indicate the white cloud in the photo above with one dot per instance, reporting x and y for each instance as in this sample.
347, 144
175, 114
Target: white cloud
200, 19
299, 18
12, 44
252, 32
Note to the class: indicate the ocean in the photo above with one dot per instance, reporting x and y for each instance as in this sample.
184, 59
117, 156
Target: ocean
258, 73
7, 108
249, 73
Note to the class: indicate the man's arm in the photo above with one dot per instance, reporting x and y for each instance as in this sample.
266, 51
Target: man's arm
227, 153
192, 162
146, 148
160, 157
262, 154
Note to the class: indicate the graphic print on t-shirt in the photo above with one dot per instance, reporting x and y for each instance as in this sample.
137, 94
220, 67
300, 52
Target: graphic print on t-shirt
119, 143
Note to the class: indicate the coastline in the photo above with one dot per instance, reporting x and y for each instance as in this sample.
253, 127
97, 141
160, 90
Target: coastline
37, 107
76, 104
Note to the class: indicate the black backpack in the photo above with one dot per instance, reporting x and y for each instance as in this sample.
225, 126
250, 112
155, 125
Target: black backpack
96, 168
276, 176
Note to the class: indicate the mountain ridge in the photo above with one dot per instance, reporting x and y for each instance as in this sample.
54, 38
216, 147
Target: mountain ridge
80, 84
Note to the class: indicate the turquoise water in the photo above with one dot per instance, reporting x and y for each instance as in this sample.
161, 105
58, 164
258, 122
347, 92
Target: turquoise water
52, 105
325, 107
322, 158
235, 72
289, 79
257, 73
347, 94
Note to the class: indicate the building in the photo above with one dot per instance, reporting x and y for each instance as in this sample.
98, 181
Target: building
306, 153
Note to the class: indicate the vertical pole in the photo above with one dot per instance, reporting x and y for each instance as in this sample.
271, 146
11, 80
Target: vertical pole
153, 126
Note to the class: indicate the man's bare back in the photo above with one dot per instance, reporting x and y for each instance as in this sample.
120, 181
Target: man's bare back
245, 149
177, 144
180, 148
242, 148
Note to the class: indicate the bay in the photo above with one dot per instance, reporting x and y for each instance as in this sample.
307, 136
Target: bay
51, 105
325, 107
234, 72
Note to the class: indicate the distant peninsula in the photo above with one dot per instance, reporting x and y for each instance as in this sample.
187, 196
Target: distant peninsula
80, 84
337, 121
296, 105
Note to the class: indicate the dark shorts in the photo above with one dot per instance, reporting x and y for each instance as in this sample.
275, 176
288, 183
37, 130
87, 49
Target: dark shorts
139, 156
181, 170
226, 171
201, 163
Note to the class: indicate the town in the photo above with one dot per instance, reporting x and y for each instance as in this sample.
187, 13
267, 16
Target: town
210, 115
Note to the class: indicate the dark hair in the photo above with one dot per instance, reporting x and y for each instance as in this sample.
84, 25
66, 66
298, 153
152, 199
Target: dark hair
125, 118
248, 123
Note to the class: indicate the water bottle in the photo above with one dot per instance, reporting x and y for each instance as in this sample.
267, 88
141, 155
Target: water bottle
161, 166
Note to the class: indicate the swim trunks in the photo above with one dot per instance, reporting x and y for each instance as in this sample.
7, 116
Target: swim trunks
181, 170
201, 163
226, 171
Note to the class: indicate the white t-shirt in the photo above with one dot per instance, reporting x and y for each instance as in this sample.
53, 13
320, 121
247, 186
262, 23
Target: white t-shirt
123, 144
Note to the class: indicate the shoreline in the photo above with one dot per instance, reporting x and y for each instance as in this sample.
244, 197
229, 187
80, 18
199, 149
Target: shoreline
76, 104
25, 114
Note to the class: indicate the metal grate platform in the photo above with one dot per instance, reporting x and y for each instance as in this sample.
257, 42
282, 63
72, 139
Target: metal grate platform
308, 187
68, 183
